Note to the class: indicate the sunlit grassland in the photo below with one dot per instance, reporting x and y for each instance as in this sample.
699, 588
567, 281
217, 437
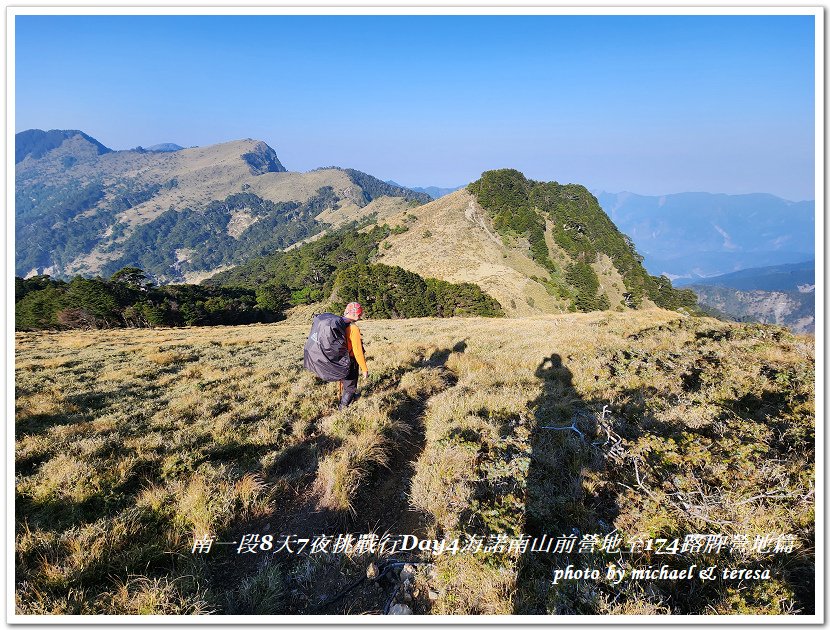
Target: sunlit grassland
128, 443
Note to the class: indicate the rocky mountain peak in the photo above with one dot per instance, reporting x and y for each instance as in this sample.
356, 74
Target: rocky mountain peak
36, 143
263, 159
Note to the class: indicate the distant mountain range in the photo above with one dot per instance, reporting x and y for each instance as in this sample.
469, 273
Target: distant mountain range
697, 235
781, 294
179, 214
433, 191
793, 277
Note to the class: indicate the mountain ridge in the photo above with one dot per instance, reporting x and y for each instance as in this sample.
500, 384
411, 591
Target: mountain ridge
188, 214
79, 211
779, 294
696, 235
36, 143
463, 238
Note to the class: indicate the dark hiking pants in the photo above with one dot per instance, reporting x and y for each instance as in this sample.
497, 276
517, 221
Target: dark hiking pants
349, 385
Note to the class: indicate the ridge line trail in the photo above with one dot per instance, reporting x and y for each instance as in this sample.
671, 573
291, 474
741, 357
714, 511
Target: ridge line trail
382, 502
472, 215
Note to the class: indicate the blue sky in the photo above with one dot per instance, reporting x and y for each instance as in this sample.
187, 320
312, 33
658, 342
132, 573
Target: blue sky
649, 104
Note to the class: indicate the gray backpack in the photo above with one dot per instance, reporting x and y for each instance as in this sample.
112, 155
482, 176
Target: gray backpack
326, 353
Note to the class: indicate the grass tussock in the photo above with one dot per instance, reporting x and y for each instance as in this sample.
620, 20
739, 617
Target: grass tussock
259, 594
44, 403
473, 585
169, 358
341, 473
442, 484
139, 595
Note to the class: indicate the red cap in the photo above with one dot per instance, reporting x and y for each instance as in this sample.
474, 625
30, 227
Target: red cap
353, 311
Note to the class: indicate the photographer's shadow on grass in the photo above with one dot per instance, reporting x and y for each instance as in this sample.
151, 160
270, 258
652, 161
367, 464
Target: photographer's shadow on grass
557, 504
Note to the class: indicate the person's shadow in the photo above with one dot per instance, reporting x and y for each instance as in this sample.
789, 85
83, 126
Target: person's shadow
556, 504
573, 489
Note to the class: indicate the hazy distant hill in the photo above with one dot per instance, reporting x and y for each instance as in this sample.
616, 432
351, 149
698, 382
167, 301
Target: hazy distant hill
782, 294
81, 208
432, 191
694, 235
795, 277
164, 147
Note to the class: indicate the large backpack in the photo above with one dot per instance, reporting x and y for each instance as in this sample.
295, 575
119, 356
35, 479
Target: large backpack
325, 352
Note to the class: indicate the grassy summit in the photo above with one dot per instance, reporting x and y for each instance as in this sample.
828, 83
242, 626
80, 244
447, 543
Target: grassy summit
581, 232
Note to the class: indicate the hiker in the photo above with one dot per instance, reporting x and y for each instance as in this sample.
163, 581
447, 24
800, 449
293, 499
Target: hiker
354, 344
334, 350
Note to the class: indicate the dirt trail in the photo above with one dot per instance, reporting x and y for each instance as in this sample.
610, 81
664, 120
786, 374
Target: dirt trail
381, 506
474, 216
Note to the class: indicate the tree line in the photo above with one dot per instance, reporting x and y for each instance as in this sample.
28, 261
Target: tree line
392, 292
333, 270
128, 299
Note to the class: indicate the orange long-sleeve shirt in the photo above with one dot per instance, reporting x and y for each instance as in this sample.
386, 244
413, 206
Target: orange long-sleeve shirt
355, 346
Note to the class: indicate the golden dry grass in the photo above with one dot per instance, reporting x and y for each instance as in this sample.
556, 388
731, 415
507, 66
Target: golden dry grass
131, 442
460, 250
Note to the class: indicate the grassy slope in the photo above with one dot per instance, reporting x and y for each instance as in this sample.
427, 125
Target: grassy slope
207, 177
129, 442
448, 239
203, 174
